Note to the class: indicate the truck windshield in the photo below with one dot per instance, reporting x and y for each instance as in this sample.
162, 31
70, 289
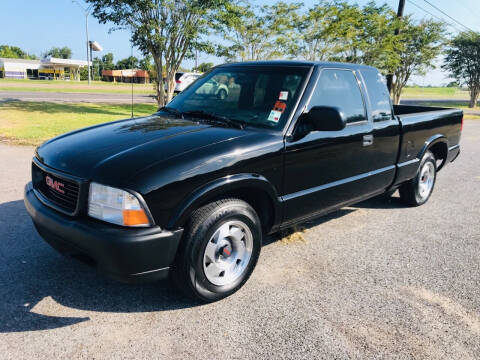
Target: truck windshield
255, 96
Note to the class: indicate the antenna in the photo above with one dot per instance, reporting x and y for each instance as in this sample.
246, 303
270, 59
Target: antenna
131, 63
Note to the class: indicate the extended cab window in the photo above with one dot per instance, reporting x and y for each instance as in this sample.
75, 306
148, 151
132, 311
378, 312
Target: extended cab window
339, 88
263, 97
378, 94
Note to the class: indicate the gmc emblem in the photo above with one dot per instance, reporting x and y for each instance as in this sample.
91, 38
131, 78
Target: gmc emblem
55, 185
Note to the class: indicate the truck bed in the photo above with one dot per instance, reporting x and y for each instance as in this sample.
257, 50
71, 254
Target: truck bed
422, 125
415, 109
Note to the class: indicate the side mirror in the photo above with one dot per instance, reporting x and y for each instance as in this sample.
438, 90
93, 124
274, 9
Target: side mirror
326, 118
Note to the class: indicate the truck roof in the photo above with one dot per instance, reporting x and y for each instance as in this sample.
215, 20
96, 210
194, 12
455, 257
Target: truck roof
298, 63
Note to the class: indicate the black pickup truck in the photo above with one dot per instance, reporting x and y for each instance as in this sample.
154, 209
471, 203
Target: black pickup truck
246, 150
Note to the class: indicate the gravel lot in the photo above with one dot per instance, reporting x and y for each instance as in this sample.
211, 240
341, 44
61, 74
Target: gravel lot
377, 280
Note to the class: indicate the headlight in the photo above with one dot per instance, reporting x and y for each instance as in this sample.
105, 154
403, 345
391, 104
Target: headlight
115, 206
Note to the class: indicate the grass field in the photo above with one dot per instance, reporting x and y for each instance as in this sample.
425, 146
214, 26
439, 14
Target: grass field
458, 105
122, 88
74, 86
434, 93
31, 123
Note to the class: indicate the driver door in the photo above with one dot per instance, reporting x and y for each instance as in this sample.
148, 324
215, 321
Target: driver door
325, 169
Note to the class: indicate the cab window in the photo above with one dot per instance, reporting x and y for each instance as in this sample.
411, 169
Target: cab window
339, 88
256, 96
378, 94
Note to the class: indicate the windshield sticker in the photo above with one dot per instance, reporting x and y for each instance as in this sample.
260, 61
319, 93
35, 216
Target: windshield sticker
274, 116
280, 106
283, 95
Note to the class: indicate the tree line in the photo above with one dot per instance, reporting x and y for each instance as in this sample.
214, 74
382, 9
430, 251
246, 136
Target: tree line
169, 31
330, 30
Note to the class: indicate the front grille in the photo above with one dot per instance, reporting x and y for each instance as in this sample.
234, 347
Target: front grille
58, 190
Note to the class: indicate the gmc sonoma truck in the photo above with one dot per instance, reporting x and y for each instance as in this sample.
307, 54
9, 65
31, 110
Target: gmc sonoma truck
191, 190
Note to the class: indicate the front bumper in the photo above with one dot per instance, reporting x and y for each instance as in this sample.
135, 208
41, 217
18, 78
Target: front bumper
126, 254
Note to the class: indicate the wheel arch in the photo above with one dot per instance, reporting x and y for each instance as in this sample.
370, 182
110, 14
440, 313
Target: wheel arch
255, 189
438, 145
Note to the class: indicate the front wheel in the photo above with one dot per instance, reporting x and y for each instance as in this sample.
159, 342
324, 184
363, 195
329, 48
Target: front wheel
220, 249
417, 191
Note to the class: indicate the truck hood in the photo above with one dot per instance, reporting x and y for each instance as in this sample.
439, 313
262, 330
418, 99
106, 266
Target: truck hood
114, 152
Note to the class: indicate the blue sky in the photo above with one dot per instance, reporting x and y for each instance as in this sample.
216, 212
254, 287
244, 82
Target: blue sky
39, 25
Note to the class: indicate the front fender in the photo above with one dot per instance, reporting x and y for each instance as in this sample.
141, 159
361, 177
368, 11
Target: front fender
216, 188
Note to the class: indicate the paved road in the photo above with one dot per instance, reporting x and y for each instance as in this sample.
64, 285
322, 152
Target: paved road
61, 97
377, 280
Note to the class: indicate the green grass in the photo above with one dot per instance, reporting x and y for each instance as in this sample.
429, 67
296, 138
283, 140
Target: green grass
458, 105
434, 93
123, 88
73, 86
31, 123
472, 117
78, 90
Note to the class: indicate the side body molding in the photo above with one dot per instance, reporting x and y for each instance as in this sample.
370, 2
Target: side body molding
221, 186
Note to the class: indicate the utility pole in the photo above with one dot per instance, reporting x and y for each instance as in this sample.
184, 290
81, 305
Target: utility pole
86, 10
401, 8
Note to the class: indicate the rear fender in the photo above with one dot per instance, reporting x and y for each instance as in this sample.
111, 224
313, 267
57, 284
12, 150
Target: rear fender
435, 141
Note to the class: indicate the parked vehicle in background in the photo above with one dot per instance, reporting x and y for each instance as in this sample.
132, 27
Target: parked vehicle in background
191, 190
183, 79
214, 87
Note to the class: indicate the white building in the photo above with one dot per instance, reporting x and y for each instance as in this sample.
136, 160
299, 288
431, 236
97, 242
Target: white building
47, 68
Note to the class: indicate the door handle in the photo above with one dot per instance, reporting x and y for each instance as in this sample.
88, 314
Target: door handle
367, 140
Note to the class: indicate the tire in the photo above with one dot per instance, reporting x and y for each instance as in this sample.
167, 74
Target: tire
222, 94
418, 190
225, 235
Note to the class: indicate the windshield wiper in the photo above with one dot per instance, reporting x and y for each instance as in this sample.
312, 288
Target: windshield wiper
171, 110
218, 118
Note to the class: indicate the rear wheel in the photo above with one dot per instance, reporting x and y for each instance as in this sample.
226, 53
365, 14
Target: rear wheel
219, 251
417, 191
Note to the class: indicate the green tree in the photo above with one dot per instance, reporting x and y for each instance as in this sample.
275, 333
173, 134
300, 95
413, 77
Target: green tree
364, 35
341, 31
420, 43
316, 40
107, 62
129, 63
257, 33
96, 68
168, 30
203, 67
145, 63
83, 73
103, 63
14, 52
61, 53
462, 60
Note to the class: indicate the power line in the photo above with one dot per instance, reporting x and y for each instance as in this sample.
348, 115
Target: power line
444, 13
468, 8
435, 16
